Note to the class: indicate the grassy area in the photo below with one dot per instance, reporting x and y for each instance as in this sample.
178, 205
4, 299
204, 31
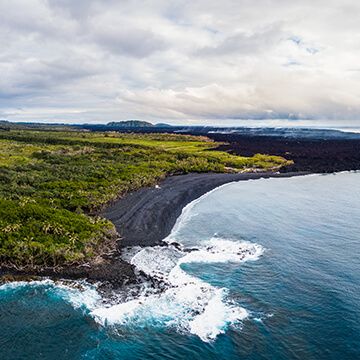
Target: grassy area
52, 184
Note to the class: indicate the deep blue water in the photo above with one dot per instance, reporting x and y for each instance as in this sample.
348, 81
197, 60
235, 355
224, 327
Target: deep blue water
301, 293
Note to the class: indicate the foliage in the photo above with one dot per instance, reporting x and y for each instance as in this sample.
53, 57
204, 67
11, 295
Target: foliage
53, 183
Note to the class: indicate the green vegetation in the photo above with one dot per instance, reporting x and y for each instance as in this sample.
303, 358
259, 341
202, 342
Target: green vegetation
53, 183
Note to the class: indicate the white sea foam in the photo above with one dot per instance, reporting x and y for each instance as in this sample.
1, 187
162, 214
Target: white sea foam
77, 293
216, 316
83, 296
187, 303
17, 285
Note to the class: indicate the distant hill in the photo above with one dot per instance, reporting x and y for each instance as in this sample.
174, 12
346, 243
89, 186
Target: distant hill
162, 125
130, 123
4, 125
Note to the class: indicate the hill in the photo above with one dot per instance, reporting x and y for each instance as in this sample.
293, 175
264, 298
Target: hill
130, 124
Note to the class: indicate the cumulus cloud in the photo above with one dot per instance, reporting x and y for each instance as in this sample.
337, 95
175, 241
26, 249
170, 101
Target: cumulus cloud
179, 61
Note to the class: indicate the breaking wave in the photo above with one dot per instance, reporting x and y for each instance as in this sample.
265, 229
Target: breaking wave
172, 298
79, 294
186, 303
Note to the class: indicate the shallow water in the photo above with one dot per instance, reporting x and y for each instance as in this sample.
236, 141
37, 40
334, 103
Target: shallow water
266, 269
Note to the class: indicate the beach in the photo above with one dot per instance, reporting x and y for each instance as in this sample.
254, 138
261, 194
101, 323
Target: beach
233, 272
146, 217
142, 218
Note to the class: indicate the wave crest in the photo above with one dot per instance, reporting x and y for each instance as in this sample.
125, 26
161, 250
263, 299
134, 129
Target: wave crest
187, 303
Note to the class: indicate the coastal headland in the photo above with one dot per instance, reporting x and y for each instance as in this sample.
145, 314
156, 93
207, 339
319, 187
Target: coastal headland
55, 185
72, 200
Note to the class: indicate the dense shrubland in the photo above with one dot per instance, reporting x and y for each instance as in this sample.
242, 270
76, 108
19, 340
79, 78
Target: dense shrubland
52, 185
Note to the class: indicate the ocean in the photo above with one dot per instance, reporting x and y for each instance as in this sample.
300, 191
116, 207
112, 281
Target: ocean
259, 269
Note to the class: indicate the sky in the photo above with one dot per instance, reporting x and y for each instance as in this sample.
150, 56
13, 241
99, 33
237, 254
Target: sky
181, 62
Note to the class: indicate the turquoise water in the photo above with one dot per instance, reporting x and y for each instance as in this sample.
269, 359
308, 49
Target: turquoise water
269, 269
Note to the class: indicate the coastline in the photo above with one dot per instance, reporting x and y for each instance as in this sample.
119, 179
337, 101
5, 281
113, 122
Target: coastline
142, 218
146, 217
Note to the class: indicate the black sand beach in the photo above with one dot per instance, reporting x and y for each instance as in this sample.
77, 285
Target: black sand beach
146, 217
142, 218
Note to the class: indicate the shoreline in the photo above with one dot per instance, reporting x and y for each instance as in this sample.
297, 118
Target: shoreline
147, 216
142, 218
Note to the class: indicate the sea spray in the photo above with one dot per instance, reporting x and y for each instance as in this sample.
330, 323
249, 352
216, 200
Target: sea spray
302, 300
183, 303
187, 304
80, 294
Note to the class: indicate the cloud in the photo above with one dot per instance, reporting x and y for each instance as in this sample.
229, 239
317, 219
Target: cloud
76, 9
133, 42
181, 61
246, 43
242, 103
